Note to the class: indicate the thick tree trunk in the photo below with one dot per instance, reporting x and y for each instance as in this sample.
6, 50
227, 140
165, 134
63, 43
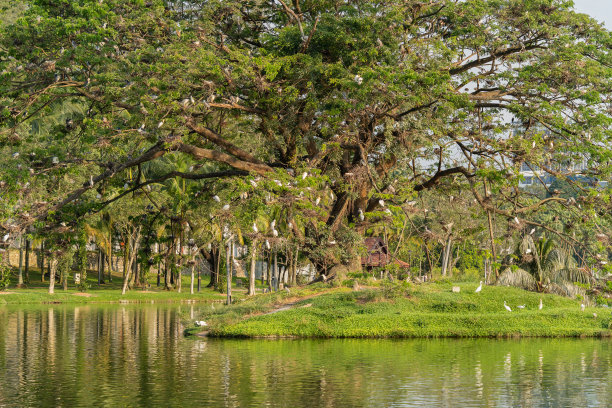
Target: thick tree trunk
52, 269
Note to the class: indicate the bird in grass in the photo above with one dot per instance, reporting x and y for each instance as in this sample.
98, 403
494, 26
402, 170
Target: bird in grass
582, 306
255, 229
507, 307
479, 288
201, 323
521, 306
541, 305
216, 198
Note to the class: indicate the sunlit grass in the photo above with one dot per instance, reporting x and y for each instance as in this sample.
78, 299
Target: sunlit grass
427, 310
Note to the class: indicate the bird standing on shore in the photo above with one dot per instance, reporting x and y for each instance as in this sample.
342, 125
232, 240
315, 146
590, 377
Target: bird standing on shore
479, 288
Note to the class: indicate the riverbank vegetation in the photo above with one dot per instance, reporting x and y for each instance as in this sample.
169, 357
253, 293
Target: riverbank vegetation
406, 310
161, 142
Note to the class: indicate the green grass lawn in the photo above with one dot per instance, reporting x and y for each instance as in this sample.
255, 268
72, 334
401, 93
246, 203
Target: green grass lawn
426, 310
36, 291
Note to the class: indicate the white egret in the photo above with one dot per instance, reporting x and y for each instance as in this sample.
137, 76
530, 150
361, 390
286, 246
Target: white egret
304, 175
521, 306
273, 224
216, 198
290, 225
541, 305
361, 216
225, 207
358, 79
5, 238
255, 229
160, 124
507, 307
253, 183
55, 160
201, 323
15, 155
267, 244
516, 220
318, 200
582, 306
479, 288
91, 182
532, 231
381, 202
274, 233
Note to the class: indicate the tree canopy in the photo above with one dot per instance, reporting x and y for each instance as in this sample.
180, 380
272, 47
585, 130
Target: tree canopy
333, 115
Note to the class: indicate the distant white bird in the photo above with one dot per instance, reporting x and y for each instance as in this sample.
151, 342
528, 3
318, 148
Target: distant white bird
5, 238
388, 211
255, 229
55, 160
582, 306
361, 216
15, 155
91, 182
216, 198
225, 207
253, 183
332, 242
507, 307
516, 220
528, 251
126, 186
98, 196
274, 233
358, 79
201, 323
160, 124
318, 200
521, 306
290, 225
541, 305
381, 202
267, 244
595, 315
479, 288
304, 175
532, 231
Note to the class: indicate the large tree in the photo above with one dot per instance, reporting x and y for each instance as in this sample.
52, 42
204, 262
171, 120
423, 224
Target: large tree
338, 108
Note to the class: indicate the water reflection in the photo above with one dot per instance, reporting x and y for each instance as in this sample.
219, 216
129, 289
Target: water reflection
137, 356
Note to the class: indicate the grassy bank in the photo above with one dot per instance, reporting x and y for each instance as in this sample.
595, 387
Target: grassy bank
427, 310
36, 292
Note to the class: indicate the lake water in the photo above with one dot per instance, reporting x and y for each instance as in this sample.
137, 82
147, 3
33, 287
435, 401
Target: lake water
124, 355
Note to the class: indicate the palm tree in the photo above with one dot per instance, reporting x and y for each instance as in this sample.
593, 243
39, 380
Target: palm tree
545, 266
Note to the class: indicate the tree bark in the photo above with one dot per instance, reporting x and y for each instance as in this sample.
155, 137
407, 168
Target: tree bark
52, 269
192, 279
251, 290
42, 261
20, 276
27, 261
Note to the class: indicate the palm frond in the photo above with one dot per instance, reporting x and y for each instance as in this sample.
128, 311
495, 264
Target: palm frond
519, 278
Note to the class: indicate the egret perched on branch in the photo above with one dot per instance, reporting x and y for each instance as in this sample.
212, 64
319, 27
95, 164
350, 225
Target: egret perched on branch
361, 216
274, 233
507, 307
479, 288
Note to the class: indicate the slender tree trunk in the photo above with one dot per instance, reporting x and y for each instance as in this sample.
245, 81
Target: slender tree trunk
192, 279
276, 272
229, 275
20, 276
27, 261
294, 266
446, 255
199, 279
65, 274
158, 273
251, 290
52, 269
42, 261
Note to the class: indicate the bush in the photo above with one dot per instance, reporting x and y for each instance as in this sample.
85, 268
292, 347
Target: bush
5, 273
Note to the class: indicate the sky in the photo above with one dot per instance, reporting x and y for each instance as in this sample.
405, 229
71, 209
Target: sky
600, 10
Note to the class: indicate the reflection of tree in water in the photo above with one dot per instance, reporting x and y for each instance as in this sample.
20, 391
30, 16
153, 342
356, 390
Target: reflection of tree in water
136, 355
